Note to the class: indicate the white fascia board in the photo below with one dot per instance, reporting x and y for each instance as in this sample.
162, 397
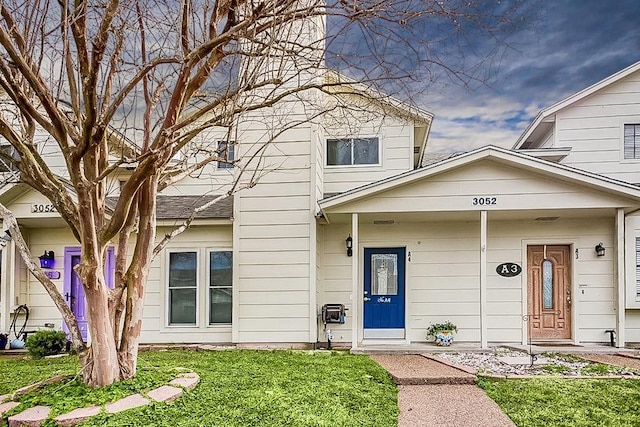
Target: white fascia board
512, 157
552, 110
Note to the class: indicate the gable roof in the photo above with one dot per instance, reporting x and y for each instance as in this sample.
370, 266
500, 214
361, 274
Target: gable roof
503, 155
547, 115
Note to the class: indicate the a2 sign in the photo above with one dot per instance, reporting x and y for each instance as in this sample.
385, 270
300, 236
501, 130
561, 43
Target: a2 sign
508, 269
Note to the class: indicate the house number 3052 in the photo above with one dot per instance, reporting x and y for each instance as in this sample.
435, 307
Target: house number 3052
42, 208
484, 201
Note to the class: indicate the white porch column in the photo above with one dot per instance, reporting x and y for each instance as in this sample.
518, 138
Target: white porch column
620, 278
356, 298
483, 279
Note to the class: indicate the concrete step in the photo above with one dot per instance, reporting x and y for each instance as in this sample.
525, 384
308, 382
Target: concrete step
415, 369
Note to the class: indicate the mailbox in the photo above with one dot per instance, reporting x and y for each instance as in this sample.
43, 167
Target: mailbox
333, 313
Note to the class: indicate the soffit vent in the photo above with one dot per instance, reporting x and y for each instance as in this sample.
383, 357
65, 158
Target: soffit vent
547, 218
383, 221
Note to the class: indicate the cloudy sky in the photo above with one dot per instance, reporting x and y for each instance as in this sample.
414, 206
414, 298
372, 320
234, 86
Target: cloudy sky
574, 44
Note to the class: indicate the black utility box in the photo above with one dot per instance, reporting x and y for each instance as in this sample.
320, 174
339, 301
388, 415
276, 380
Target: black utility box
333, 313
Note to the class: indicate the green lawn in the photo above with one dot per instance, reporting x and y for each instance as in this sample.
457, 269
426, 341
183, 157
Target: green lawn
237, 388
567, 402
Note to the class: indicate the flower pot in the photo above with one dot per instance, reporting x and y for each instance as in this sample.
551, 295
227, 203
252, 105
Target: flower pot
444, 338
3, 341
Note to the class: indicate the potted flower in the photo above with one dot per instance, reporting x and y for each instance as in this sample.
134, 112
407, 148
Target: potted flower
442, 333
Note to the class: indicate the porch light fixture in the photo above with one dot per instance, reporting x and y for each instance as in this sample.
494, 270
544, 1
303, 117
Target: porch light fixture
600, 249
47, 260
349, 243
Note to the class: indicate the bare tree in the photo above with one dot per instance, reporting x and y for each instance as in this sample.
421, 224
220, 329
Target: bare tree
138, 82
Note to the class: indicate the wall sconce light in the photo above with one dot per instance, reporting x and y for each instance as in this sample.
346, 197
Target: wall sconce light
349, 243
47, 260
600, 249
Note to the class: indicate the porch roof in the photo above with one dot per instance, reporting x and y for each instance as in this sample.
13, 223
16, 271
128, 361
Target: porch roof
452, 184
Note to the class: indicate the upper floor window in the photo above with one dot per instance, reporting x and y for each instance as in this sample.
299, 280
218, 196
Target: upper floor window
353, 151
632, 141
226, 149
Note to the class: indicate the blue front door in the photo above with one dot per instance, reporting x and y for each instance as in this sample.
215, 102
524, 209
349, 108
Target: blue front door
384, 292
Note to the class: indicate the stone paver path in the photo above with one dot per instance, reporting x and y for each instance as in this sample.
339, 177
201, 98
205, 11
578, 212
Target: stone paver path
435, 394
34, 417
448, 406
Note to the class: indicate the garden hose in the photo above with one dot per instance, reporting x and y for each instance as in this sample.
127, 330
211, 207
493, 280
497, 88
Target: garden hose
17, 342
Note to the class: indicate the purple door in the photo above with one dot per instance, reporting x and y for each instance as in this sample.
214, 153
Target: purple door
76, 300
73, 290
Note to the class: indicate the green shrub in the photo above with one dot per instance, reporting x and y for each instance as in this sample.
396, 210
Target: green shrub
46, 343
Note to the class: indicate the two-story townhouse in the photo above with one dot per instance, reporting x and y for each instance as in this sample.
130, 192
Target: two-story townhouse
538, 243
511, 245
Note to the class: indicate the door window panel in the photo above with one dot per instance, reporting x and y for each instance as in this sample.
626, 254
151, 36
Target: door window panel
547, 285
384, 274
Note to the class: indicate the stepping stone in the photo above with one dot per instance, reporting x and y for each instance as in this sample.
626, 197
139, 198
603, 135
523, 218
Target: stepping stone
32, 417
166, 393
77, 416
6, 407
188, 380
5, 397
133, 401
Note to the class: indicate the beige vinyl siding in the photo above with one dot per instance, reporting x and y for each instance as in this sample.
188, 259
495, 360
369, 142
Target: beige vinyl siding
632, 326
514, 189
443, 275
273, 224
30, 291
42, 309
436, 222
593, 128
396, 155
155, 329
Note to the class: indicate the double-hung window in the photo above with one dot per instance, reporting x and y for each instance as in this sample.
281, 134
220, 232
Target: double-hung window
632, 141
220, 287
186, 272
183, 287
353, 151
226, 150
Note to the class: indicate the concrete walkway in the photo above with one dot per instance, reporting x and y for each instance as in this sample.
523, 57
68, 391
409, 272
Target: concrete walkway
434, 394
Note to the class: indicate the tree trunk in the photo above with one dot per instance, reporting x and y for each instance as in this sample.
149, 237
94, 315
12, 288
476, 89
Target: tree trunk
100, 365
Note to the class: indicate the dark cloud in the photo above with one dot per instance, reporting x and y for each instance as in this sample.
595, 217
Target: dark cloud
570, 45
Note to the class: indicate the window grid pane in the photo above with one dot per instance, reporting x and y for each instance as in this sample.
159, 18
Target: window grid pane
632, 141
220, 287
226, 149
183, 269
353, 151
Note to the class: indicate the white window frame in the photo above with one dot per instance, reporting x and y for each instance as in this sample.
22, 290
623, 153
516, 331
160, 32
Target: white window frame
636, 140
369, 165
167, 298
629, 120
229, 145
208, 287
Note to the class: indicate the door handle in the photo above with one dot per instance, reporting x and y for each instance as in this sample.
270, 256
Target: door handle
569, 297
67, 296
367, 299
